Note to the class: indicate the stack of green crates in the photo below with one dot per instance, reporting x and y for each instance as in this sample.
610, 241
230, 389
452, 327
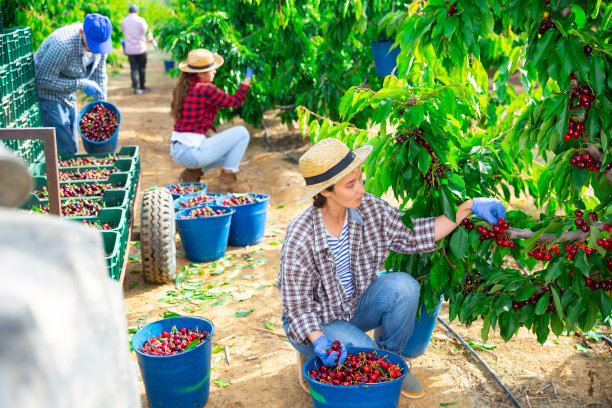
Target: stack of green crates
118, 201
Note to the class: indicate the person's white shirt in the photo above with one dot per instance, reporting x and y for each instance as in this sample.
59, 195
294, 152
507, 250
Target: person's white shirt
135, 31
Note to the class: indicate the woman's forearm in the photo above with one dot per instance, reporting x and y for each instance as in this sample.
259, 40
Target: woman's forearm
315, 335
444, 226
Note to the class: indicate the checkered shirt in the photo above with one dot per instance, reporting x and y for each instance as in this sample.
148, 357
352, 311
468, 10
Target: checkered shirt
60, 70
201, 105
310, 288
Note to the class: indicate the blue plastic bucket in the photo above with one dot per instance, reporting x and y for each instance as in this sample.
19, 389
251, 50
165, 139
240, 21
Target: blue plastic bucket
175, 196
168, 65
179, 380
204, 238
249, 221
379, 395
384, 60
107, 146
184, 198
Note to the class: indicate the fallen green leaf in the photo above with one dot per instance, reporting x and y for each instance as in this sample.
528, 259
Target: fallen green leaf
482, 346
270, 326
273, 243
217, 349
135, 271
243, 313
218, 271
280, 206
583, 348
446, 404
166, 315
133, 284
143, 287
221, 383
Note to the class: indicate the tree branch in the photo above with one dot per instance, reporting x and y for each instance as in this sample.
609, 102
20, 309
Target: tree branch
577, 235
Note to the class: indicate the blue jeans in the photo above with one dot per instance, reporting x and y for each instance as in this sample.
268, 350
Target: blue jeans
389, 305
225, 148
64, 120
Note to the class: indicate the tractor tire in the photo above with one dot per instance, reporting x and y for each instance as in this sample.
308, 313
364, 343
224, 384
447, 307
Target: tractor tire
157, 231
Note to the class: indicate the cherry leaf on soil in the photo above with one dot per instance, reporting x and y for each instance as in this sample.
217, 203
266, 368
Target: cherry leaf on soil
270, 326
221, 383
243, 313
166, 315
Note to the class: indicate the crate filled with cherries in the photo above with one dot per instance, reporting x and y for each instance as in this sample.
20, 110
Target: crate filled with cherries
77, 190
74, 208
201, 212
362, 367
94, 174
99, 225
174, 342
91, 161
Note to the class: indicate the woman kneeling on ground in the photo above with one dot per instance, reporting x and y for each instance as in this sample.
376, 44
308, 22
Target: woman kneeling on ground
333, 252
195, 104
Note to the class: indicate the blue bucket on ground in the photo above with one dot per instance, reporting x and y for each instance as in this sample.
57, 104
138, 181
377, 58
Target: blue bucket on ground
249, 221
107, 146
168, 65
384, 60
378, 395
184, 198
204, 238
179, 380
175, 196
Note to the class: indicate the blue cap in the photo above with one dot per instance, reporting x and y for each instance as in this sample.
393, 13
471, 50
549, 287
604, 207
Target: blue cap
98, 30
133, 8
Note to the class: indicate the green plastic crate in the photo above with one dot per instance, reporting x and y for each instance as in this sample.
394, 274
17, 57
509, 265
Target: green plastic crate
116, 218
114, 260
27, 64
120, 181
110, 199
123, 166
5, 83
34, 117
11, 44
9, 112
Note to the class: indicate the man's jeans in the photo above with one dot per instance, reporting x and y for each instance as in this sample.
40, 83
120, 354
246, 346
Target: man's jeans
389, 305
225, 148
64, 120
138, 65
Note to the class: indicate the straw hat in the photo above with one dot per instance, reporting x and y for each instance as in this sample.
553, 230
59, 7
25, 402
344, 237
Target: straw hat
328, 162
201, 60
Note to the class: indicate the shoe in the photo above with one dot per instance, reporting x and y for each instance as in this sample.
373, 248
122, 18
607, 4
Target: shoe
300, 365
190, 175
137, 91
411, 386
228, 183
145, 90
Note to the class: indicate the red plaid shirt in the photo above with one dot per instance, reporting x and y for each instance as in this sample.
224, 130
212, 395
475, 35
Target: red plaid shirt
201, 105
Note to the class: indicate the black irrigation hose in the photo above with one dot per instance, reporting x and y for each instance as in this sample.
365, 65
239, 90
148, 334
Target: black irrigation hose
607, 339
278, 149
506, 390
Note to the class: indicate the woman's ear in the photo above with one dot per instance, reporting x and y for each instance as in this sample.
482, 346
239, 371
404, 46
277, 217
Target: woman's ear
326, 193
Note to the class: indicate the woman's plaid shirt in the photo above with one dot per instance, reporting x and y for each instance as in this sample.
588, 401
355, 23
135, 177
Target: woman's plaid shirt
201, 105
311, 291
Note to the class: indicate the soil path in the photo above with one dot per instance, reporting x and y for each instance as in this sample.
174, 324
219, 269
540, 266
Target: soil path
262, 370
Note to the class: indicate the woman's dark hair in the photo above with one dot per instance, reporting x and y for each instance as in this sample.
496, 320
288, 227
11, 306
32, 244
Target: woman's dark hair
319, 200
179, 93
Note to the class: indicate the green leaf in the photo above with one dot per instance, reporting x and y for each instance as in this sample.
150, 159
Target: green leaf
459, 242
543, 46
542, 304
579, 16
581, 263
221, 383
217, 349
579, 178
166, 315
133, 284
525, 293
603, 302
424, 161
192, 344
243, 313
598, 75
482, 346
434, 275
446, 404
554, 269
270, 326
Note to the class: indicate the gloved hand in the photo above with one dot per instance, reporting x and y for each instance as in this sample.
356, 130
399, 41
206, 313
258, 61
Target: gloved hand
329, 356
488, 208
92, 88
249, 73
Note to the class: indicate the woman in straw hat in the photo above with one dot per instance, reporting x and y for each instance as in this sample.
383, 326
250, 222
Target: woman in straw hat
329, 277
195, 104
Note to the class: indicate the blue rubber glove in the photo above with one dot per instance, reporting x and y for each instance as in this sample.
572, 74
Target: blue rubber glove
489, 208
92, 88
322, 346
249, 73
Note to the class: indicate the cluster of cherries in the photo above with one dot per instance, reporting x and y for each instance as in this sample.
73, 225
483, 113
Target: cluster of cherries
496, 233
94, 174
201, 212
604, 284
542, 252
238, 200
473, 281
574, 130
533, 300
582, 94
573, 248
91, 161
175, 342
186, 189
581, 222
197, 200
84, 190
452, 10
99, 124
75, 208
546, 25
585, 160
97, 224
606, 243
436, 167
363, 367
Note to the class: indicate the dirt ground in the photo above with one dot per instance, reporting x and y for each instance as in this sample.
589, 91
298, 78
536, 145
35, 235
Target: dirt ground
261, 370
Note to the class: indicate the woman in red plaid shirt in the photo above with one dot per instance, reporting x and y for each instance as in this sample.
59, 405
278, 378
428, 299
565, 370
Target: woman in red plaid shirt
195, 104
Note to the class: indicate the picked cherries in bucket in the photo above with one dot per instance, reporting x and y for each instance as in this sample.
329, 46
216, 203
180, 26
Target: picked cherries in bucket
238, 200
186, 189
99, 124
175, 342
363, 367
201, 212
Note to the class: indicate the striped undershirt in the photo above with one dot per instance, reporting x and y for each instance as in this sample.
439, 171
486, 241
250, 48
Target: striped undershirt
340, 250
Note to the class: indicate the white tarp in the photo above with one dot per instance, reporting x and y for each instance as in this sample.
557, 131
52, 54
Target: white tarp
63, 333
